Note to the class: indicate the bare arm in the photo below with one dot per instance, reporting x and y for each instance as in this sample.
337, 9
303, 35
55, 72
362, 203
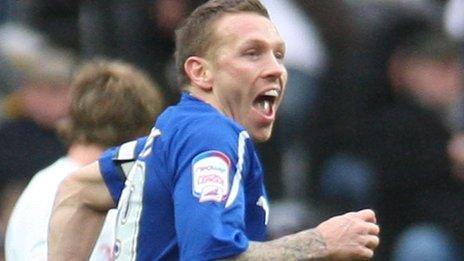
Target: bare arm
80, 208
352, 236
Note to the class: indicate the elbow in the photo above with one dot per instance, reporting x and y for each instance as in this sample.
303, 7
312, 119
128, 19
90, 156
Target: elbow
68, 193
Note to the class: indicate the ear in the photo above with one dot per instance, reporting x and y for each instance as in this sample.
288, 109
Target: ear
197, 69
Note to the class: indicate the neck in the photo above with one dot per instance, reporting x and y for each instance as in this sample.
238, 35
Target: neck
205, 96
198, 93
84, 153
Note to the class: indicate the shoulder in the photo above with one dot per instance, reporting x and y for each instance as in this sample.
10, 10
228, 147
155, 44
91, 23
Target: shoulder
193, 115
216, 124
211, 130
56, 172
42, 187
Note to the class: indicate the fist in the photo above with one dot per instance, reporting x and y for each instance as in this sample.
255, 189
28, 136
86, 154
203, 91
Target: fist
354, 235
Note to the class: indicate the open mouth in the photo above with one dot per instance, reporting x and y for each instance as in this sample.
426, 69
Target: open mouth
264, 102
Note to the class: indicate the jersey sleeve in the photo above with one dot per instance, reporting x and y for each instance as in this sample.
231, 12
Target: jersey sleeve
209, 195
115, 164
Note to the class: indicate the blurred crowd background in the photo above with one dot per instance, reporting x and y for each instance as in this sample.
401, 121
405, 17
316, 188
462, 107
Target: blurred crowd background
373, 115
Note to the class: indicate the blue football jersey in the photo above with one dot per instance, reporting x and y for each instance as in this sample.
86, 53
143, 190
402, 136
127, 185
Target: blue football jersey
194, 192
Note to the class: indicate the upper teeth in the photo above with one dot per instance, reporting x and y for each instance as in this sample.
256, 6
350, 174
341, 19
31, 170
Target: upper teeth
273, 93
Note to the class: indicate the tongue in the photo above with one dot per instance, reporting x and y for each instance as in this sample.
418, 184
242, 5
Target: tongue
264, 106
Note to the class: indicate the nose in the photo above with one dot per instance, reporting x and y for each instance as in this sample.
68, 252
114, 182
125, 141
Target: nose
274, 68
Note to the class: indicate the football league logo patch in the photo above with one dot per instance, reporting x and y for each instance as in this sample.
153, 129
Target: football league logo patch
210, 173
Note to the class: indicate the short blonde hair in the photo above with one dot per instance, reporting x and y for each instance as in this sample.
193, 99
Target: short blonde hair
111, 102
196, 36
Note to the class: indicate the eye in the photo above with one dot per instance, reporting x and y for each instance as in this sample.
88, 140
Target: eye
279, 55
252, 53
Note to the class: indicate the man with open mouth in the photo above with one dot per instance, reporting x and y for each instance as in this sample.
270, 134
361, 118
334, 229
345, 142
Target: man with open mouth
196, 190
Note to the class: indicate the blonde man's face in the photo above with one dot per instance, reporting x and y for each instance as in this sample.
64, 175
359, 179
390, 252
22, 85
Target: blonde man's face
249, 76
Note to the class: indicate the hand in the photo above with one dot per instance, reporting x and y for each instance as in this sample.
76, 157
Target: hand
353, 235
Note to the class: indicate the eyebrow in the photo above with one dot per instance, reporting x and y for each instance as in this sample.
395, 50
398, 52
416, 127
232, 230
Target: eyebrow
278, 44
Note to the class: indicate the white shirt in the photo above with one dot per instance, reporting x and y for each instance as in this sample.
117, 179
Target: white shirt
27, 231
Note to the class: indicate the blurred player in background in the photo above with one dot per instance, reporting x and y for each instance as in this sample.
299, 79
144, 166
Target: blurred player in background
111, 102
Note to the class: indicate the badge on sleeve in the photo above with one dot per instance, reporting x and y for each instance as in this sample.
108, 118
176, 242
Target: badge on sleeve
210, 173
